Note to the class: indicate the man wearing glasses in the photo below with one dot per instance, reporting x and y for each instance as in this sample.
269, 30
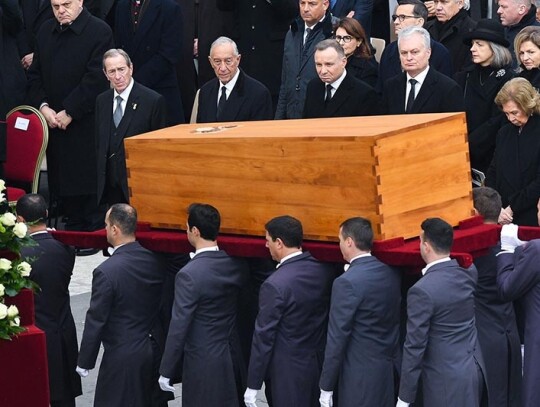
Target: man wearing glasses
411, 13
232, 95
451, 23
125, 110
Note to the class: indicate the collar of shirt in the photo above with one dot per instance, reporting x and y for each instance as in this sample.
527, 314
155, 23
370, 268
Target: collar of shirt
346, 266
420, 78
337, 82
204, 249
125, 96
39, 232
428, 266
289, 256
229, 86
111, 250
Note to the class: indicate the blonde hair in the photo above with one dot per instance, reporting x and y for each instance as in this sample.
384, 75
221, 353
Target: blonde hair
530, 33
522, 93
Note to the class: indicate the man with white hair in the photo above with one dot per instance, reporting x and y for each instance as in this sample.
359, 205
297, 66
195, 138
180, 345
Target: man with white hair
419, 89
515, 15
451, 23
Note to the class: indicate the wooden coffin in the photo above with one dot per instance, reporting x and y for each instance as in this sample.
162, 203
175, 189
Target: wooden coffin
394, 170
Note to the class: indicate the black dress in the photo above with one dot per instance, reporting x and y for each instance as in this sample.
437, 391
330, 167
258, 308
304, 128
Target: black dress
364, 69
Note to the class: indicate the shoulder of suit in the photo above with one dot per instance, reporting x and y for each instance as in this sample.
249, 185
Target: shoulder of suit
146, 91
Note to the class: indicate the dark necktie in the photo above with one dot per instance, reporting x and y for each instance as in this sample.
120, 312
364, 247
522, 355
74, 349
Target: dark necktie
221, 103
308, 31
117, 115
410, 98
328, 94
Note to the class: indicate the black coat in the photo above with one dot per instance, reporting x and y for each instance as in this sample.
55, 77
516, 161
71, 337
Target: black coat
123, 315
145, 111
52, 271
438, 94
290, 331
390, 65
533, 76
261, 29
352, 98
484, 118
527, 20
450, 34
497, 335
441, 339
362, 348
67, 74
154, 48
35, 13
515, 170
249, 100
519, 278
298, 66
203, 322
364, 69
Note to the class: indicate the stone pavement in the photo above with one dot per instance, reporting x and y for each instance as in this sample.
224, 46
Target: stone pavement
80, 288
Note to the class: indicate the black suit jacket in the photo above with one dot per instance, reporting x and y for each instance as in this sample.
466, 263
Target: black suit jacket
34, 13
145, 111
352, 98
438, 94
52, 271
249, 100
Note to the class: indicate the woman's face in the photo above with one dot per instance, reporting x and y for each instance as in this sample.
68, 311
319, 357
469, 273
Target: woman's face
529, 55
481, 52
514, 114
342, 37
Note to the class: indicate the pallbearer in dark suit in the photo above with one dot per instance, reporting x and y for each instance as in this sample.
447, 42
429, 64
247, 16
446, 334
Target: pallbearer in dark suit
52, 271
290, 330
420, 89
126, 110
204, 318
363, 329
336, 93
124, 316
441, 346
232, 95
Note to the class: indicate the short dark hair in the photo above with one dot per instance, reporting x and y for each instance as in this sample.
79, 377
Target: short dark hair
419, 10
33, 208
286, 228
330, 43
206, 218
124, 217
488, 203
439, 234
360, 231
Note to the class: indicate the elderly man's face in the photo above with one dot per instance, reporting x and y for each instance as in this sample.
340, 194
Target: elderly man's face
118, 72
446, 9
329, 65
312, 11
66, 11
510, 12
224, 62
413, 54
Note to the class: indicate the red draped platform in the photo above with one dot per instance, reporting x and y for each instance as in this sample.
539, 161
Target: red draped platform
23, 360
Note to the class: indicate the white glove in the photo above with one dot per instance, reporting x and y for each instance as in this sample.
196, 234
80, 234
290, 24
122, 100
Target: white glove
165, 384
82, 372
250, 397
509, 239
326, 398
401, 403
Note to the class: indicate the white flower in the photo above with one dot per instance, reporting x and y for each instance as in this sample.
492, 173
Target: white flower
24, 268
2, 288
15, 322
2, 184
8, 219
20, 230
12, 311
2, 197
3, 311
5, 264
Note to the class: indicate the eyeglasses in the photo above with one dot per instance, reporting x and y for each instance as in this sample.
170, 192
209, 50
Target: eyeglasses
402, 17
345, 38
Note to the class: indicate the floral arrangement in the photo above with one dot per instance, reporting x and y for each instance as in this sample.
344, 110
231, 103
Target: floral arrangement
13, 273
